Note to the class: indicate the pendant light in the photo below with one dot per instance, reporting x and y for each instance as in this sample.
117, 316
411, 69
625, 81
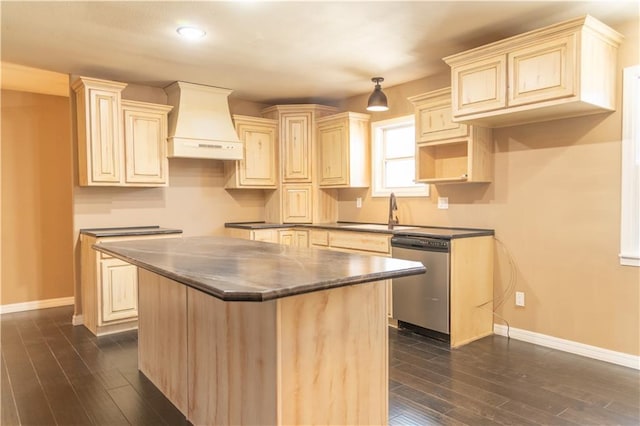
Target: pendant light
377, 100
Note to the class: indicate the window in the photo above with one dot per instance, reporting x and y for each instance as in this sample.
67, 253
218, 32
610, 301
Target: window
394, 150
630, 220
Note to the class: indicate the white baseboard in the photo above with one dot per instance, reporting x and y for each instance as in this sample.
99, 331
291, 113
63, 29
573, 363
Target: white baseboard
77, 320
620, 358
36, 304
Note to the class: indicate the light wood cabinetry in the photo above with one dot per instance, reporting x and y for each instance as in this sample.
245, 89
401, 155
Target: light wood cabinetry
258, 168
298, 198
296, 136
294, 237
120, 142
297, 203
145, 143
100, 153
564, 70
119, 290
446, 151
109, 287
471, 289
343, 151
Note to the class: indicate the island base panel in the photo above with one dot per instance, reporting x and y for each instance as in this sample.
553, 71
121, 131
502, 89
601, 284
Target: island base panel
162, 335
334, 357
315, 358
232, 361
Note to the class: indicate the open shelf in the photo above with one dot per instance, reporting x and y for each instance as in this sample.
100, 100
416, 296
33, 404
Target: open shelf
443, 162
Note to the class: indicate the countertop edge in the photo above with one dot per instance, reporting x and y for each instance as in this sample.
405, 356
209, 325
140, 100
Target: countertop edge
262, 296
128, 231
344, 226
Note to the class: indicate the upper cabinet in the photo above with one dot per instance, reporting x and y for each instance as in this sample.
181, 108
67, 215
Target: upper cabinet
297, 124
564, 70
145, 143
449, 152
120, 142
343, 150
258, 168
100, 152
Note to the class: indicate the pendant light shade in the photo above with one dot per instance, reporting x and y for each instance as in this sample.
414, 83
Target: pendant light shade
377, 100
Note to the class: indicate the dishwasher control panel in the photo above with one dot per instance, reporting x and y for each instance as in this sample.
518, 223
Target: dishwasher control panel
420, 243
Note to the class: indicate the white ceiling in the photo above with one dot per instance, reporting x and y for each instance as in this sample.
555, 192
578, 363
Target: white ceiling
270, 52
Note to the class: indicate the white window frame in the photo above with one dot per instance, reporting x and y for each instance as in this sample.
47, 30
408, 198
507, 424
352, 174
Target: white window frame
630, 216
378, 189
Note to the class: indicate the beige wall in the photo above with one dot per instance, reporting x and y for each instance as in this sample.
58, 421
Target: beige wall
36, 197
555, 205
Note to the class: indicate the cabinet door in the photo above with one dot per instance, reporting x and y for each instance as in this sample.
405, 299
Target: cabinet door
119, 290
479, 86
145, 138
434, 123
296, 148
297, 203
286, 238
104, 137
333, 154
543, 72
258, 167
301, 238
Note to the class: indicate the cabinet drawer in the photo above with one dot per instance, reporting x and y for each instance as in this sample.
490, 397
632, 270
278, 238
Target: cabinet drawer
377, 243
265, 235
319, 238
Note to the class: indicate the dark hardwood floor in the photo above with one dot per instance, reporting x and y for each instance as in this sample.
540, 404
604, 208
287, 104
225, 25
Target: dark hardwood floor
54, 373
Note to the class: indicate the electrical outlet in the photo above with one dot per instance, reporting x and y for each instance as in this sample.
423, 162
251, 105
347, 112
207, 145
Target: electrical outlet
519, 298
443, 203
359, 202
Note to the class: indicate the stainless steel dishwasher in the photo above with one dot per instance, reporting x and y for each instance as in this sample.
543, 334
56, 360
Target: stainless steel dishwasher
423, 300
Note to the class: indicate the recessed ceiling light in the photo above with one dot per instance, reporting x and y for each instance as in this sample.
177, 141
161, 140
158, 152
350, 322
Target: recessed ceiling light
191, 33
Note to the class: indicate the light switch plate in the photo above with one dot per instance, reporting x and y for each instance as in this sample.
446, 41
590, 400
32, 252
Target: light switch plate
359, 202
443, 203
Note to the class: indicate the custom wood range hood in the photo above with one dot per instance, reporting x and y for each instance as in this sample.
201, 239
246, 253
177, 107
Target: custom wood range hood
200, 124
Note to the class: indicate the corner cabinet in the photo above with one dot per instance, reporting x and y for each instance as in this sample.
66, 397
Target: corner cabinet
446, 151
120, 142
343, 150
258, 168
297, 203
564, 70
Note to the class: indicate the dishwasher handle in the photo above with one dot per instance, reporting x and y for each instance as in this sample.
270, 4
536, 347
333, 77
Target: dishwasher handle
425, 244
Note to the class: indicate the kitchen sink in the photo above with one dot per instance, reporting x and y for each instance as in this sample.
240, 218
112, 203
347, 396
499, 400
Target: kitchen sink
376, 227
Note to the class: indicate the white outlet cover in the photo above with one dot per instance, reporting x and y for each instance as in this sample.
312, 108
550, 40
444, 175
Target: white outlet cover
359, 202
519, 298
443, 203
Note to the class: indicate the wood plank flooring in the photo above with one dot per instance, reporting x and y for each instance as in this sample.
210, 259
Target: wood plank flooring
56, 374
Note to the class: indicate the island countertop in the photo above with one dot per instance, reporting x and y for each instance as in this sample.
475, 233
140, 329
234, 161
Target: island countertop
241, 270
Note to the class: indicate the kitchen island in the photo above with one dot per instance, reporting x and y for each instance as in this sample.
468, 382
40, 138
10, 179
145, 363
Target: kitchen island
244, 332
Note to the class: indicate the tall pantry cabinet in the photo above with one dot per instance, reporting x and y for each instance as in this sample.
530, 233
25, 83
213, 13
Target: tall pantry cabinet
299, 199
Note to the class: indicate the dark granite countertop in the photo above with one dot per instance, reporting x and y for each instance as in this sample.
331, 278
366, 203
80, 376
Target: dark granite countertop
233, 269
128, 230
412, 230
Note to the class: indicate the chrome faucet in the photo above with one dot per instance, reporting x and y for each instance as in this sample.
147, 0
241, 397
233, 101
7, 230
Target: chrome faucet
393, 207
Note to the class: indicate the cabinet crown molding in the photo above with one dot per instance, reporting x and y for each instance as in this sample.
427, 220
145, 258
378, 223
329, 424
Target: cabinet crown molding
586, 22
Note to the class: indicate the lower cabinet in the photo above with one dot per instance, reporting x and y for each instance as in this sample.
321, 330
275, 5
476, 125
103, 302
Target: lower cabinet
109, 287
356, 242
294, 238
119, 290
